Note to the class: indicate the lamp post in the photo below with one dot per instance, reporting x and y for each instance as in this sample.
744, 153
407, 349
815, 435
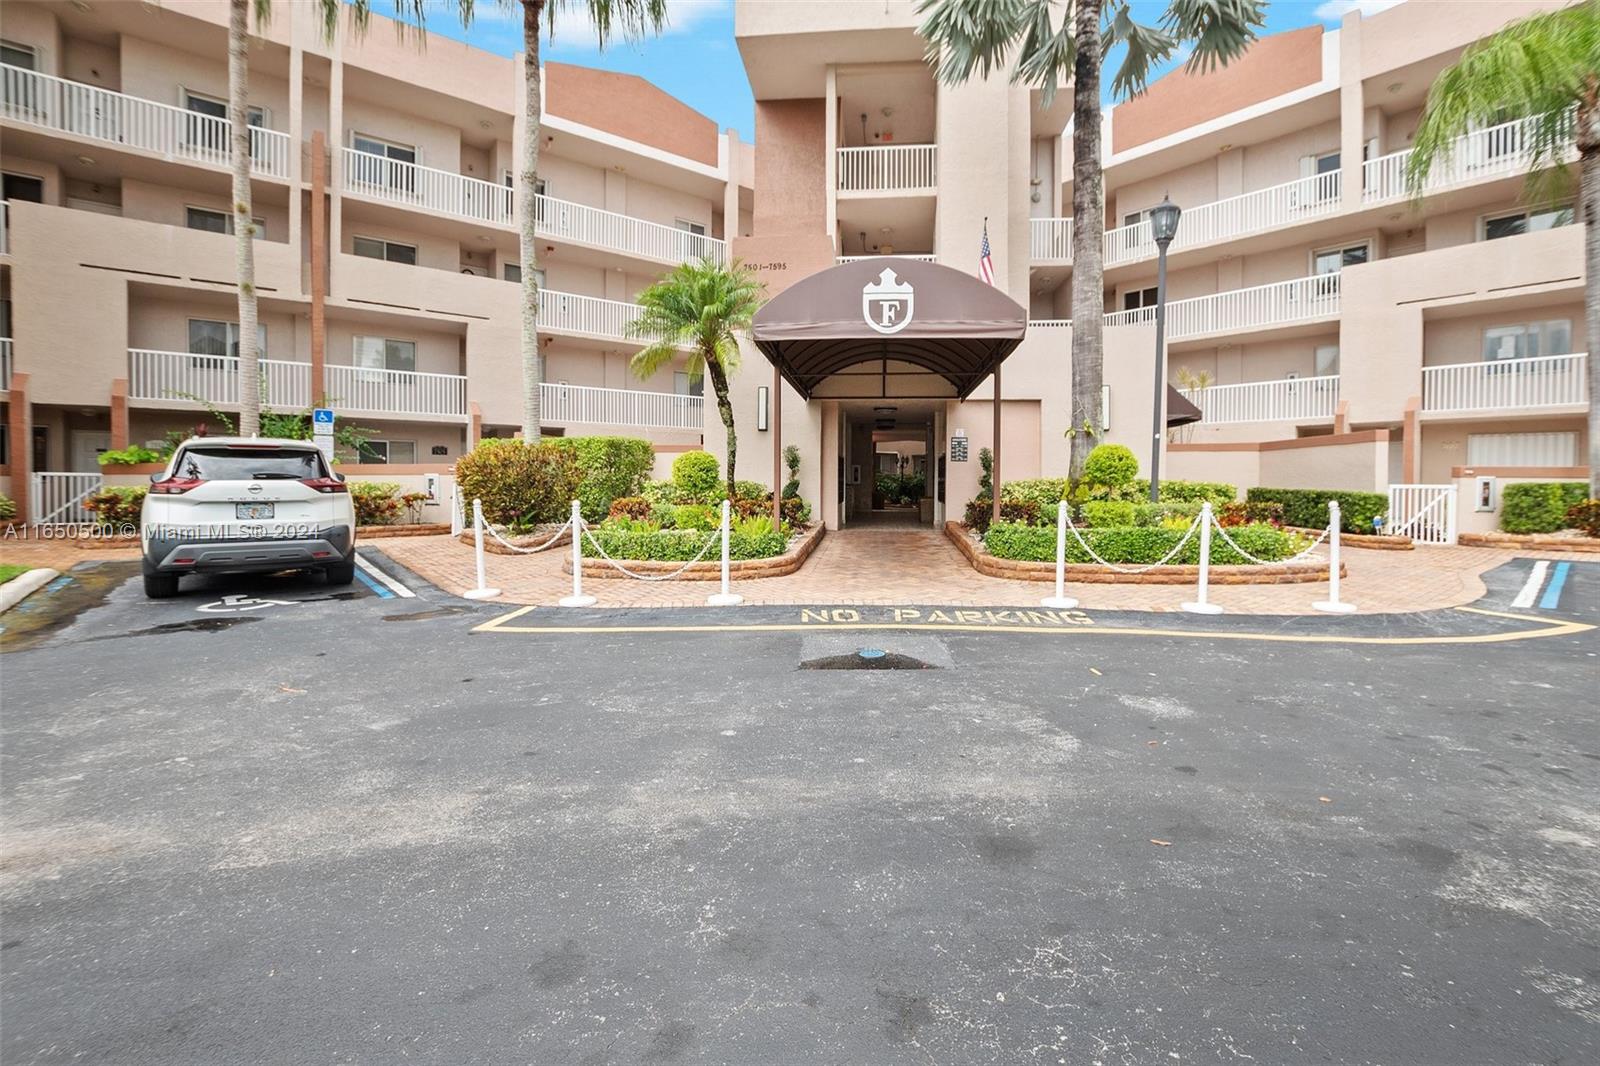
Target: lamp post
1163, 227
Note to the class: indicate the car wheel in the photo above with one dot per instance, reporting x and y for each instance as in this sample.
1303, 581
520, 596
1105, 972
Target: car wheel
160, 586
341, 573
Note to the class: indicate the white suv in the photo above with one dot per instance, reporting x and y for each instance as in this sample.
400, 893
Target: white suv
227, 505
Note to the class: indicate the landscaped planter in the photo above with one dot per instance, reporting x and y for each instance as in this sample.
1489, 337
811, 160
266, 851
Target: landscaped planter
709, 568
534, 538
1375, 541
1095, 574
1542, 541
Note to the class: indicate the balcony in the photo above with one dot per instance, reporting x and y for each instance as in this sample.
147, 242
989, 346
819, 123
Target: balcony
889, 169
1495, 152
1290, 400
1506, 384
173, 133
566, 312
620, 407
417, 187
1278, 304
187, 380
1272, 208
359, 390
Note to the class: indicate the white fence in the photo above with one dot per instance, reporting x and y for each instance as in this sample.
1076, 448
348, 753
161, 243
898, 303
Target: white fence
1486, 153
57, 498
394, 181
116, 118
1541, 381
1263, 305
620, 407
5, 364
1425, 513
184, 377
368, 390
1291, 399
888, 168
1050, 239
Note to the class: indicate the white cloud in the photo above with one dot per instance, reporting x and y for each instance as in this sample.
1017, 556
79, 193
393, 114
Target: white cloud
1334, 10
573, 27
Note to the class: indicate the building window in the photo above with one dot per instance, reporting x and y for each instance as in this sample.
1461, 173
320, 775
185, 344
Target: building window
211, 337
391, 251
1518, 222
383, 164
697, 228
19, 55
684, 385
1327, 360
388, 451
1529, 339
382, 353
212, 221
1134, 299
1333, 260
1326, 163
513, 272
213, 136
23, 187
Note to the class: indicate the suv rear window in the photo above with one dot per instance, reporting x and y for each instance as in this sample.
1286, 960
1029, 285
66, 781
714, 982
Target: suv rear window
223, 463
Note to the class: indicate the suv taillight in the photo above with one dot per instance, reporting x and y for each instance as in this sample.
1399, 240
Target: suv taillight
175, 486
325, 484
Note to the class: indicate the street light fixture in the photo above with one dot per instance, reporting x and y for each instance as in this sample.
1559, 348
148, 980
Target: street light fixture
1163, 227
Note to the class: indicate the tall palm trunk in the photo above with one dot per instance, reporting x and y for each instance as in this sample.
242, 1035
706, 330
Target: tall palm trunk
527, 218
1088, 228
243, 227
719, 386
1589, 214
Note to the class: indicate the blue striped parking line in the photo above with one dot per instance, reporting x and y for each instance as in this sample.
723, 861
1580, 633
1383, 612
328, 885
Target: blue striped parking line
1552, 591
383, 593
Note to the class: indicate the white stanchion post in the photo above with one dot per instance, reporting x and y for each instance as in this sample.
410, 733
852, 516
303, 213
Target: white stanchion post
1333, 605
725, 598
1060, 600
1200, 604
482, 592
577, 599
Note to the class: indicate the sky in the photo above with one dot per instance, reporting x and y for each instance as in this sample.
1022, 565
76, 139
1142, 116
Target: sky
695, 58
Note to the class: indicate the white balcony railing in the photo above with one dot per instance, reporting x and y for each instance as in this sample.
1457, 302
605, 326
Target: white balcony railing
1050, 239
53, 103
929, 258
5, 364
620, 407
1276, 304
187, 378
1133, 317
568, 312
1487, 153
427, 188
1541, 381
888, 168
1289, 400
368, 390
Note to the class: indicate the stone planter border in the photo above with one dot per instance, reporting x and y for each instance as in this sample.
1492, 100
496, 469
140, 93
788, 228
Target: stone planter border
1374, 541
1541, 541
405, 529
537, 536
1093, 574
791, 560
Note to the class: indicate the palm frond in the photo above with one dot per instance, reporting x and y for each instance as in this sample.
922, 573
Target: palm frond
1147, 46
967, 36
1220, 29
1047, 53
627, 19
1536, 67
700, 305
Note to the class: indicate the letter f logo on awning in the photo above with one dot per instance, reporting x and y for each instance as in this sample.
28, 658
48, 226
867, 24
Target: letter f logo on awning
887, 303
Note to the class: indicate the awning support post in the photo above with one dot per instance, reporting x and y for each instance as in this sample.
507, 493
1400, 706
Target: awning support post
994, 476
777, 448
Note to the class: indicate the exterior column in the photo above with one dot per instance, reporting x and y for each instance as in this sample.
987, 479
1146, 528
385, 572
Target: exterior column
994, 479
1411, 443
119, 414
296, 133
21, 430
1352, 108
475, 425
830, 146
775, 415
319, 267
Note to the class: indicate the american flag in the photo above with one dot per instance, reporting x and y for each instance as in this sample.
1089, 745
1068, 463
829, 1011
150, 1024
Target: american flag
985, 260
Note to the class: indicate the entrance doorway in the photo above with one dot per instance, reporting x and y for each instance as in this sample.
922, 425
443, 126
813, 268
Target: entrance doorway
887, 448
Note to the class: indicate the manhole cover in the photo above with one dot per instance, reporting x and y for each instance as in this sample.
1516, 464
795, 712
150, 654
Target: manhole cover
867, 659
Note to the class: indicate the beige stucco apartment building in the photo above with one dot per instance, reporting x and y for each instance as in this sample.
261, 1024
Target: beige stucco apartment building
1351, 337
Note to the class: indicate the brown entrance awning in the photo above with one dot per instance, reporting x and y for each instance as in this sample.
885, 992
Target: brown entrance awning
931, 316
1180, 412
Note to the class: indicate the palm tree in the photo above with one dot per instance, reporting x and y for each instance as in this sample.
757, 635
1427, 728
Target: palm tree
1051, 39
1545, 67
700, 306
629, 19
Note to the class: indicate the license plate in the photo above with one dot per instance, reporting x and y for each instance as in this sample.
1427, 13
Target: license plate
252, 510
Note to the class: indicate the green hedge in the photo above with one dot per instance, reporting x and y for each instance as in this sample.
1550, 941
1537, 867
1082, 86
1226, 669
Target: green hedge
1218, 492
1308, 508
521, 483
679, 545
1539, 506
609, 468
117, 506
1136, 546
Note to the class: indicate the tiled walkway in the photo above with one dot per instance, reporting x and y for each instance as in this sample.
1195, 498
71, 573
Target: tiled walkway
901, 565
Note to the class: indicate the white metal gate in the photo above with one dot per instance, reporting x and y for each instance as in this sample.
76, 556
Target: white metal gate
1425, 513
57, 498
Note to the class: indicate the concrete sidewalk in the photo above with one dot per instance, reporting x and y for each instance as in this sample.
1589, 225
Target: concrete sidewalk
889, 565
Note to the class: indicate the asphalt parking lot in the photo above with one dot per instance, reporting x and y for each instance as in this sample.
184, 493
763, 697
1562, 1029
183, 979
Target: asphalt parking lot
273, 821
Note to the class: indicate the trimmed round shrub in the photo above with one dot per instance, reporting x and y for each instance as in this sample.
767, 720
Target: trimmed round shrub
1104, 513
1110, 465
696, 476
520, 483
696, 516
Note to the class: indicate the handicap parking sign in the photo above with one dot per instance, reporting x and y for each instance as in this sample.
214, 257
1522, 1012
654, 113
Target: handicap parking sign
322, 416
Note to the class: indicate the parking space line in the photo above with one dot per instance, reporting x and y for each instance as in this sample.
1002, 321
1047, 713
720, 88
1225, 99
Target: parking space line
382, 592
1530, 590
391, 587
1552, 592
